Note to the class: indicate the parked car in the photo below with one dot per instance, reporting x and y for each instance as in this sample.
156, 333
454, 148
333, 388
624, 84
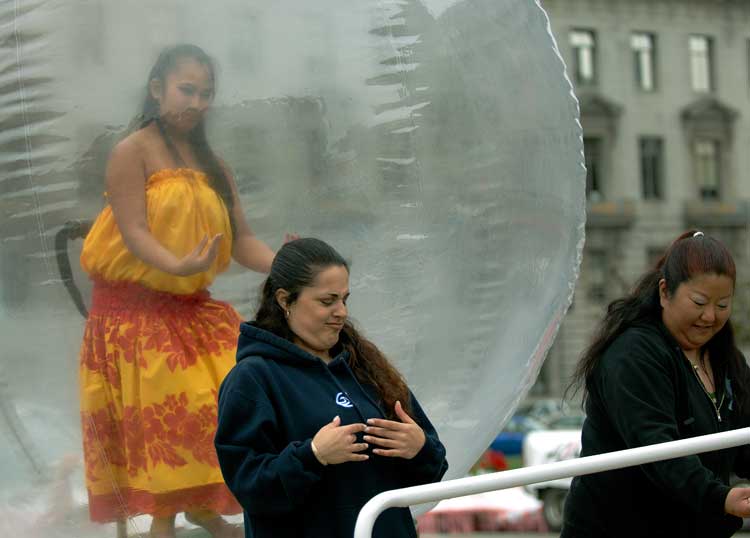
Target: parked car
548, 410
510, 440
567, 422
549, 446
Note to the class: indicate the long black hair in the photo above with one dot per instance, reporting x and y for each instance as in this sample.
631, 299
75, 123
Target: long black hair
691, 254
295, 267
165, 63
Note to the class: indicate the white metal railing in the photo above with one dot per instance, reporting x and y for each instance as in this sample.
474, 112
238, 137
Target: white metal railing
541, 473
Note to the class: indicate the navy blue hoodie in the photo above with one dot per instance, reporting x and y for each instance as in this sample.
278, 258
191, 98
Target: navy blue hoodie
271, 405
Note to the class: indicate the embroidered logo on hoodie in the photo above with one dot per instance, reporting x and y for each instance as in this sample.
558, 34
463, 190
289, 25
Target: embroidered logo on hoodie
343, 400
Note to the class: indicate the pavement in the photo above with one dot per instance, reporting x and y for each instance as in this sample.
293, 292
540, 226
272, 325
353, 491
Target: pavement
521, 535
494, 535
200, 533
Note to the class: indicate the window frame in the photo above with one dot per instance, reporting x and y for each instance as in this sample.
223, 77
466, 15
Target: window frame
578, 62
708, 192
658, 180
597, 264
594, 195
639, 54
696, 78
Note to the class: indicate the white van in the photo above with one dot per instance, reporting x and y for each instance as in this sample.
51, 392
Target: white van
549, 446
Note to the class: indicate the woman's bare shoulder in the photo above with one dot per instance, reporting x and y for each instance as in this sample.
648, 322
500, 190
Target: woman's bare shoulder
141, 148
128, 159
132, 146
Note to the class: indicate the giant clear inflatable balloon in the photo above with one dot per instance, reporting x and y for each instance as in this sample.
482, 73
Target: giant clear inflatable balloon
434, 143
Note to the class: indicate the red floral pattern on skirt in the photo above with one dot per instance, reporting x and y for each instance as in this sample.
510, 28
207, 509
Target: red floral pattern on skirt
151, 363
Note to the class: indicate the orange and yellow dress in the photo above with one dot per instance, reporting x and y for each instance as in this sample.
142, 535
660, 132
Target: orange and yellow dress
155, 350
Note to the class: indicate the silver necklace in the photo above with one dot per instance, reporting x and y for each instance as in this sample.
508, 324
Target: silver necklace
708, 394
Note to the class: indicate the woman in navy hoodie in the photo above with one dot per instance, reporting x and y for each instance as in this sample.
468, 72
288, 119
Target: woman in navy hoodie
313, 420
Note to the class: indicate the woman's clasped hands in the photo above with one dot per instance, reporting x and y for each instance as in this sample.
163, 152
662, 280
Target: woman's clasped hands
396, 439
335, 444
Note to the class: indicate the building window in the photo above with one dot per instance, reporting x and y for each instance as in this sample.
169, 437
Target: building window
707, 169
701, 63
584, 56
652, 167
592, 152
644, 52
597, 275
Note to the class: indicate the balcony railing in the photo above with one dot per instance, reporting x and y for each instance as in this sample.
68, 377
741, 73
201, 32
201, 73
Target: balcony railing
715, 214
610, 214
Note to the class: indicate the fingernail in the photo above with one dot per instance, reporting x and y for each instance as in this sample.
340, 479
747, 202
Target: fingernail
369, 421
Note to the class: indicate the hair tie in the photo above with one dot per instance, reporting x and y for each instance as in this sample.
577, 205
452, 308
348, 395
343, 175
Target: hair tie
698, 234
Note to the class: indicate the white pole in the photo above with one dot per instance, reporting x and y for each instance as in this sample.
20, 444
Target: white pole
541, 473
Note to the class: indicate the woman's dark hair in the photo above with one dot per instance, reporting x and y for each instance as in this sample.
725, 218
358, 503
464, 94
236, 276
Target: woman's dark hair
691, 254
166, 63
295, 267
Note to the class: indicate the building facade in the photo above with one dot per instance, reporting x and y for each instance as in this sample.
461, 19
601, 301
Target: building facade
664, 91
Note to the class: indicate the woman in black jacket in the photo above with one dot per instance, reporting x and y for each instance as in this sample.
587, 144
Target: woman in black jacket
664, 366
314, 420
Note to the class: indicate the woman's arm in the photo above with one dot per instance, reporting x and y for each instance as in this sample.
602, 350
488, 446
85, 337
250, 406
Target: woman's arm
266, 479
742, 463
636, 385
247, 249
126, 191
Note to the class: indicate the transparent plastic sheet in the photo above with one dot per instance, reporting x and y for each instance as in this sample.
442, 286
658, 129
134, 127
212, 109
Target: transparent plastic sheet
434, 143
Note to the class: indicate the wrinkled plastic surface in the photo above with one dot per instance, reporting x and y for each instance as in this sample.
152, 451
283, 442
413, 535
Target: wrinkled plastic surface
435, 143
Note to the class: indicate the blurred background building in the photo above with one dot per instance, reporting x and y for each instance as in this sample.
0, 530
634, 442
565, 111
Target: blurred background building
664, 91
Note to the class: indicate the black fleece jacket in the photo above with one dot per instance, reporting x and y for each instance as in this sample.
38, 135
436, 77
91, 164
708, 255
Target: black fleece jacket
642, 392
271, 405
